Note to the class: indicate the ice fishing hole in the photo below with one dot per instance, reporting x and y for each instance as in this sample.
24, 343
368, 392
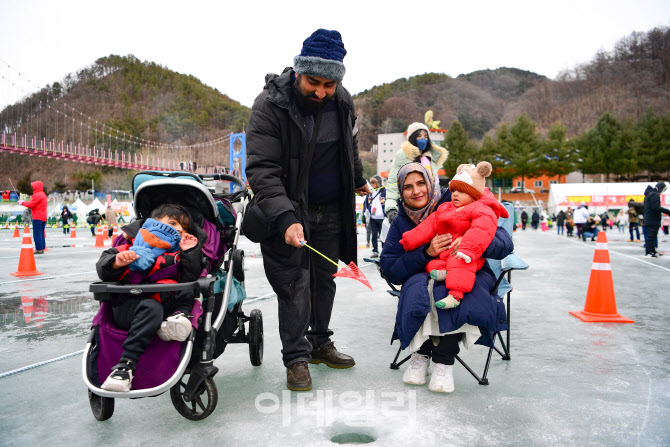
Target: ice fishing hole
352, 438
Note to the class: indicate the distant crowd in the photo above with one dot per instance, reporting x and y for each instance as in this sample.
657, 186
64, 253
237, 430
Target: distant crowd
648, 215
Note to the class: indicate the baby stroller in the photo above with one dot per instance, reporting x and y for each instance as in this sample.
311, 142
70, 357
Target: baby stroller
186, 368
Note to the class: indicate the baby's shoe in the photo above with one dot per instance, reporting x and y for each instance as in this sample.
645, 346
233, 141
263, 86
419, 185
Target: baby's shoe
121, 377
416, 372
447, 303
176, 327
442, 379
438, 275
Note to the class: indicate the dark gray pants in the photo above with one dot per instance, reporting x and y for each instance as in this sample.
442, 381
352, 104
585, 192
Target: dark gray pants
141, 318
304, 283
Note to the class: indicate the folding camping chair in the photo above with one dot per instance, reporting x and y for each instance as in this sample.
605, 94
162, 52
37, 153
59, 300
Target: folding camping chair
502, 269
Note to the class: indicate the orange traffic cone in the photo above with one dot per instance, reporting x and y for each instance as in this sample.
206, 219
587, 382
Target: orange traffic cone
7, 224
115, 233
16, 231
600, 306
73, 232
27, 305
27, 258
105, 233
45, 239
98, 237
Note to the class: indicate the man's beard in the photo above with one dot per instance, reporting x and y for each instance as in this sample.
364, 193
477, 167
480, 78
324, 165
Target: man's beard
307, 102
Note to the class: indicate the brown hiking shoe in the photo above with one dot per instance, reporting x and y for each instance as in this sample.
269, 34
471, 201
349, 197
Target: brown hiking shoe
331, 357
298, 378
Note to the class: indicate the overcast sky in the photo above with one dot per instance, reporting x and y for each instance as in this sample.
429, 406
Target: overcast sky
231, 45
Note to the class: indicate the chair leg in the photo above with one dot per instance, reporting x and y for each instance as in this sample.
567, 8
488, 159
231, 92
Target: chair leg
505, 354
481, 380
395, 364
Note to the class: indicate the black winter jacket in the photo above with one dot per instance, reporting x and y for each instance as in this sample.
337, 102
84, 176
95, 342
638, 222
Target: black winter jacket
652, 207
276, 148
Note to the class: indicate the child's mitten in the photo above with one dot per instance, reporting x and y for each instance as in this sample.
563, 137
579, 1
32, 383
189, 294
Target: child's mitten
153, 239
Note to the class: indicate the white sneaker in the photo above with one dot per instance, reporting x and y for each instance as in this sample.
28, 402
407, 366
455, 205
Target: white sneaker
442, 379
176, 327
416, 372
119, 379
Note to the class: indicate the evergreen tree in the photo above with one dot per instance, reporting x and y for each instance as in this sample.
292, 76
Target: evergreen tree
522, 148
559, 152
457, 143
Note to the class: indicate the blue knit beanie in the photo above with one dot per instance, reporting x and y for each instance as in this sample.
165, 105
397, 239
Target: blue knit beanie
322, 55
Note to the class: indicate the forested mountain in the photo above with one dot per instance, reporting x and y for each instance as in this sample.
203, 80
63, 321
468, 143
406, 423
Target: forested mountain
626, 82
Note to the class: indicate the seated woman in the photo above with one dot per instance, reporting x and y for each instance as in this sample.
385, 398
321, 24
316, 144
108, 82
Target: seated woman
428, 331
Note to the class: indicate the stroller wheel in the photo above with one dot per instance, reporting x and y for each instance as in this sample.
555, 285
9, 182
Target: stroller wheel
102, 407
255, 337
202, 404
238, 265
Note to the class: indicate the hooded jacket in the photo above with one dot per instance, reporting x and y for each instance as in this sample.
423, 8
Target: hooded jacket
478, 307
652, 207
38, 203
277, 144
407, 154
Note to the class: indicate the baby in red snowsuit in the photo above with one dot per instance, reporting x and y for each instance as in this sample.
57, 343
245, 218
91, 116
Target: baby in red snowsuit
473, 215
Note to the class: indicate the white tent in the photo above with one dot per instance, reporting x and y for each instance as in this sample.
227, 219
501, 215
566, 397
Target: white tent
598, 196
96, 204
79, 208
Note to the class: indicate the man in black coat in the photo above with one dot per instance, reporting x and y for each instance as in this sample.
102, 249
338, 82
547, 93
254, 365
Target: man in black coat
652, 216
303, 165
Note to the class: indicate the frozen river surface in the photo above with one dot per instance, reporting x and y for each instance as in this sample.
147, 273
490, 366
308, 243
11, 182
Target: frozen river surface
568, 383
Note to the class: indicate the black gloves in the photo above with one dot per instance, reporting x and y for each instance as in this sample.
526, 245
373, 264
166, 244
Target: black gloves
390, 215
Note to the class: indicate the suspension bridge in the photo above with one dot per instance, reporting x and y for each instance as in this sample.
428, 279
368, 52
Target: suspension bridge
43, 125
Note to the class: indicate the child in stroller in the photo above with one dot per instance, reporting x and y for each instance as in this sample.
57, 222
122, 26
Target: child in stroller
162, 241
185, 369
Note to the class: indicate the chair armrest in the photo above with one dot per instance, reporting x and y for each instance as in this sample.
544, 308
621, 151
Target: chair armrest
513, 262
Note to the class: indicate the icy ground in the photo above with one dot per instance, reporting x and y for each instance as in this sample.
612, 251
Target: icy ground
569, 383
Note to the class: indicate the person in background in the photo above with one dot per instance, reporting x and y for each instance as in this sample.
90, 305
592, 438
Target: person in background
580, 217
665, 223
535, 220
590, 228
418, 148
524, 219
652, 217
368, 228
605, 220
66, 217
560, 222
38, 206
93, 219
307, 200
373, 208
110, 217
621, 220
633, 222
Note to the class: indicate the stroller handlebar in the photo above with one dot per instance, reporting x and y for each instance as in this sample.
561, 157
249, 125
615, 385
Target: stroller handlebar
101, 290
225, 177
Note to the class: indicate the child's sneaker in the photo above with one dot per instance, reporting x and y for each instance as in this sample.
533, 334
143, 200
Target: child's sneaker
442, 380
121, 377
176, 327
416, 372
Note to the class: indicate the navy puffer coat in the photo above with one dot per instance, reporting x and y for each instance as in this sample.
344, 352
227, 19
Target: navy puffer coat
478, 307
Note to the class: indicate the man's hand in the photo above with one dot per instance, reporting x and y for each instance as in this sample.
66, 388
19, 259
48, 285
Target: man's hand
187, 241
124, 258
294, 235
439, 243
455, 245
364, 190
